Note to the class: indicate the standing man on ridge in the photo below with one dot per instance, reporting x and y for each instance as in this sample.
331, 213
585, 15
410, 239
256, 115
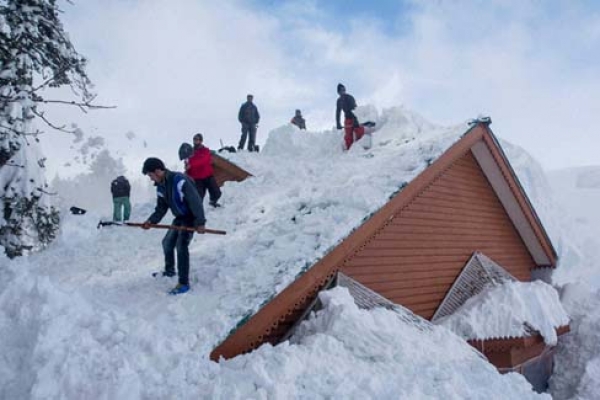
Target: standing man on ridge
248, 117
353, 130
176, 192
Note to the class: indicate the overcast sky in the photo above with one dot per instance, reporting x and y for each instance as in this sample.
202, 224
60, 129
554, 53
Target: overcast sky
176, 67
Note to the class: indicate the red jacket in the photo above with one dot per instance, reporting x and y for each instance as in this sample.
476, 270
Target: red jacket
199, 165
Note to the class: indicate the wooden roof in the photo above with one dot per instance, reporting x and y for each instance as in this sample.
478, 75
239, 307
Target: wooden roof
275, 318
225, 170
509, 352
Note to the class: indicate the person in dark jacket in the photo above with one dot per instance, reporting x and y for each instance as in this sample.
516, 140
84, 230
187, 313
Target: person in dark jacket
121, 190
298, 120
248, 117
176, 192
347, 104
199, 168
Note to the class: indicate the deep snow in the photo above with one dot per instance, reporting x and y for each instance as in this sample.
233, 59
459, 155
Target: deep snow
85, 319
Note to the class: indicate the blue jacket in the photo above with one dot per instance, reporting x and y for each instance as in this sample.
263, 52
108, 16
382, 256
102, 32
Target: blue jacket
178, 193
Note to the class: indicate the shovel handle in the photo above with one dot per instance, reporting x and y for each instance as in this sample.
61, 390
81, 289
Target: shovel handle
159, 226
177, 228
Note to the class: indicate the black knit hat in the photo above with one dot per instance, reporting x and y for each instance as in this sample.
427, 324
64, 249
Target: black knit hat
340, 87
198, 136
152, 164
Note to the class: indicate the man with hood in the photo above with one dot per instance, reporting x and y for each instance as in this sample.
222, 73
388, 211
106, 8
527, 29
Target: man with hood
175, 191
299, 120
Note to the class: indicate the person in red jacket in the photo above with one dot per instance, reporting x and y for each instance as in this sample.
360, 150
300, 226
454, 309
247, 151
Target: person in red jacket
199, 168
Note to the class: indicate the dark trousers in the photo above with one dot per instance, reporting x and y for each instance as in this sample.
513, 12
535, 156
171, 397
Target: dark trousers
210, 184
179, 240
248, 131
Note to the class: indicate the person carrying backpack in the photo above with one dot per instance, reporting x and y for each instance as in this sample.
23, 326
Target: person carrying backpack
121, 190
199, 168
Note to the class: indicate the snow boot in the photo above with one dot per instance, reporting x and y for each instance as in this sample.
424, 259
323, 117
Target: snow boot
179, 289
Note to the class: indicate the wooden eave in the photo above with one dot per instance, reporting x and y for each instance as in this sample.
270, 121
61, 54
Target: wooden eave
505, 183
509, 352
226, 168
267, 325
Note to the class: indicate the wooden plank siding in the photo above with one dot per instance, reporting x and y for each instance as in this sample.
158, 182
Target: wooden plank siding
225, 170
416, 257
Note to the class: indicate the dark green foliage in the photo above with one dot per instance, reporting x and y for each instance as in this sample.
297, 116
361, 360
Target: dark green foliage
35, 54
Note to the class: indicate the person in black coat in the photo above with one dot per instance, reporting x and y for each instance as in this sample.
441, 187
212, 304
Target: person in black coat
299, 120
248, 117
121, 190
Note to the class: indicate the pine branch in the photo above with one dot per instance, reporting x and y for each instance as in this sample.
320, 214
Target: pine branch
18, 132
83, 105
13, 165
50, 124
48, 193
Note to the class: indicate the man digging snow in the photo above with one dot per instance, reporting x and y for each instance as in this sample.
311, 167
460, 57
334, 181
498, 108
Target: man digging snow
177, 192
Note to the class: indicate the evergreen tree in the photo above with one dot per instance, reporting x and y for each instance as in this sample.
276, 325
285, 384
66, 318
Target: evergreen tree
35, 54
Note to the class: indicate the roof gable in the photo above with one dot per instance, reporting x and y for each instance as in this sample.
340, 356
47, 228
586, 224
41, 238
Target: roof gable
479, 272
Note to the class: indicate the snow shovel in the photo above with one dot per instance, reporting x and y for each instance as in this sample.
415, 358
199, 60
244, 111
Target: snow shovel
159, 226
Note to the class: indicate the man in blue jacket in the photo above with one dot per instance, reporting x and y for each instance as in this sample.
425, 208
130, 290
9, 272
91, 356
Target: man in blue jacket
248, 117
176, 192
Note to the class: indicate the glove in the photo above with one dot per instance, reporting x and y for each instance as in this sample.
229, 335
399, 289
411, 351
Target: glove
339, 126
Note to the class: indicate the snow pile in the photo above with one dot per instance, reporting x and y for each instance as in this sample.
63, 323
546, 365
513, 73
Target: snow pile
345, 352
305, 197
507, 310
569, 215
577, 361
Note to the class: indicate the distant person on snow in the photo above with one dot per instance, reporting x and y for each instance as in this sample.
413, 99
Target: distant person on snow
176, 192
248, 117
298, 120
353, 130
199, 168
121, 191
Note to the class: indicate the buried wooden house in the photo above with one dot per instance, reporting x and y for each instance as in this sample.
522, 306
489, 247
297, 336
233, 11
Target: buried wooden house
413, 250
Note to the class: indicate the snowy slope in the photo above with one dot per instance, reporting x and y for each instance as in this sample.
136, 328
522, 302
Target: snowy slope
577, 191
85, 319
